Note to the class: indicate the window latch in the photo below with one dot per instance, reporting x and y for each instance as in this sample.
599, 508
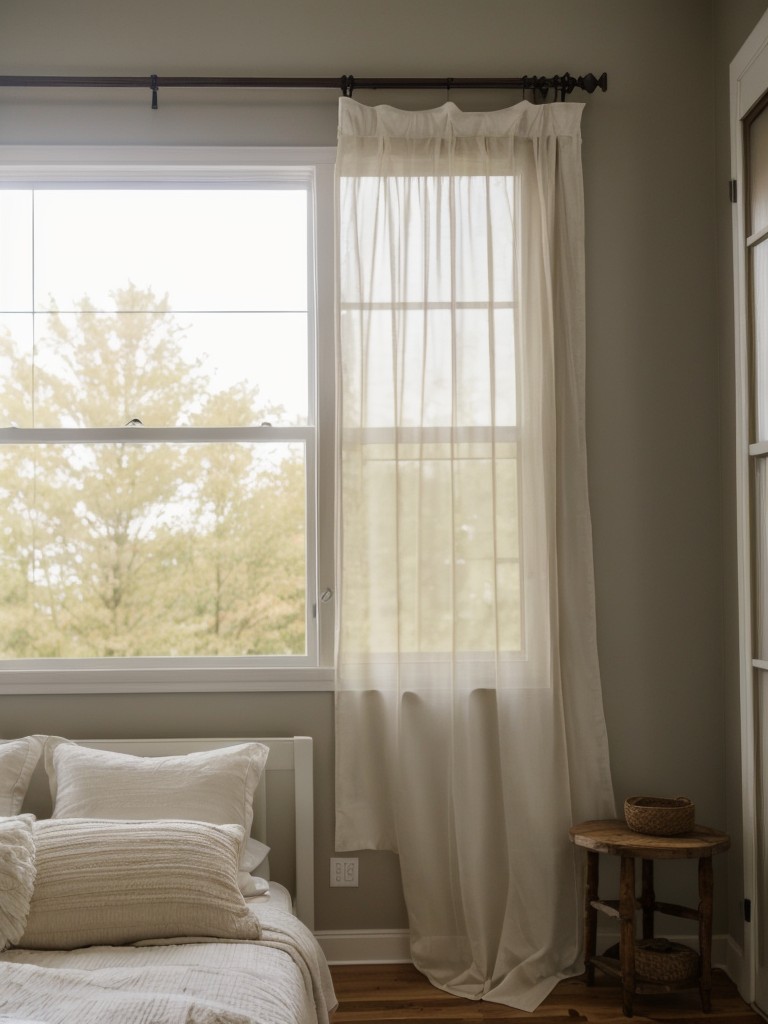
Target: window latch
326, 596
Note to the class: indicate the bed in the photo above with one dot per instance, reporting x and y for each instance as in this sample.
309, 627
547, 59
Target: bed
137, 886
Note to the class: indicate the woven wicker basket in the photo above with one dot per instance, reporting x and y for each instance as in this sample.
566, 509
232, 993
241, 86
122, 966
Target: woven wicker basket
665, 962
659, 816
661, 961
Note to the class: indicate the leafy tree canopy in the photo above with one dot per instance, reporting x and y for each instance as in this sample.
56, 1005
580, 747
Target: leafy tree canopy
142, 549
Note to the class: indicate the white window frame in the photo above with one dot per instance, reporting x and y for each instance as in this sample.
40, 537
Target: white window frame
148, 166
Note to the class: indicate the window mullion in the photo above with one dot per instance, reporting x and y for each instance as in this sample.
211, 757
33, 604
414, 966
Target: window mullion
148, 435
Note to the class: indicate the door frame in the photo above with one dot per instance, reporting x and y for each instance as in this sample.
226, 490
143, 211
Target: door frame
748, 83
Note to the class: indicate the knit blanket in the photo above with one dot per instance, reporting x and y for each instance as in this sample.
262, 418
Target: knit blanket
282, 978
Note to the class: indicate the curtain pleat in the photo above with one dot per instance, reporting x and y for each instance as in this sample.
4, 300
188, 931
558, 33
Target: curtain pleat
469, 723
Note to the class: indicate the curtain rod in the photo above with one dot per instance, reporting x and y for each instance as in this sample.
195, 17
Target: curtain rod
562, 84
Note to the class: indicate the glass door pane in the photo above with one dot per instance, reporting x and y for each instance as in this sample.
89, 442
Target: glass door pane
756, 203
761, 559
761, 682
758, 173
759, 289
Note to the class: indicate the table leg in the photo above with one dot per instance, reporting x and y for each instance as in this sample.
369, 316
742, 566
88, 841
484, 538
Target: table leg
649, 899
705, 932
590, 914
627, 933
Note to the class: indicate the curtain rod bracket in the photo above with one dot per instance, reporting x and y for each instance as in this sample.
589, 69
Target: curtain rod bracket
153, 86
347, 84
539, 84
567, 85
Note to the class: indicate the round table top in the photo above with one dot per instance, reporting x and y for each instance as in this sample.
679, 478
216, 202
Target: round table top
614, 836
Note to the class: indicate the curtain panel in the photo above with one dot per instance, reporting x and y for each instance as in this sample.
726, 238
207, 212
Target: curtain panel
469, 723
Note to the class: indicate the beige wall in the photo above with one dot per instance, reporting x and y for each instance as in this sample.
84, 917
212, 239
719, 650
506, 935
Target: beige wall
658, 343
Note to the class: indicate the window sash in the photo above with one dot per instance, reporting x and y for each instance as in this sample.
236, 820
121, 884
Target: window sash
32, 437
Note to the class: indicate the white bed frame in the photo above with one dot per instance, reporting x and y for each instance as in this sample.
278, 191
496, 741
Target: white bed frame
288, 775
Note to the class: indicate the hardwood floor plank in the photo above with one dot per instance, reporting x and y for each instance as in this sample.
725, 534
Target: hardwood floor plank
399, 994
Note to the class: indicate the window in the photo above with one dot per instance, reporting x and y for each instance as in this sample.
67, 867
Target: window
431, 423
445, 431
162, 408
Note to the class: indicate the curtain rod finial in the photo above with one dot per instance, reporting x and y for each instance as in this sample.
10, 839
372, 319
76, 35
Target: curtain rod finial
589, 83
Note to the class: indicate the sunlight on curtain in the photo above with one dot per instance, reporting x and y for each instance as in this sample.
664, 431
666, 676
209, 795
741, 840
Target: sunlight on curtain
470, 730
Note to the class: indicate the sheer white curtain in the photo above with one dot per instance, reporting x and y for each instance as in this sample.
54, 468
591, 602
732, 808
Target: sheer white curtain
469, 723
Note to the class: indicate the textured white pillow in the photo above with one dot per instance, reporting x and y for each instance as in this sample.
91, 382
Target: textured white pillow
18, 759
17, 876
105, 882
211, 785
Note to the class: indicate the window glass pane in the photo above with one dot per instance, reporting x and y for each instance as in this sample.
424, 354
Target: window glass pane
152, 550
458, 580
167, 369
216, 249
758, 172
16, 369
448, 382
15, 250
759, 268
179, 307
141, 284
432, 264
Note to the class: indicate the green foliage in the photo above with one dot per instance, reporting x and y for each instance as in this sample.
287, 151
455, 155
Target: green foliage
142, 549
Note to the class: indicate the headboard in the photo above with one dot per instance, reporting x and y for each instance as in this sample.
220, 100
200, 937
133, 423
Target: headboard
283, 815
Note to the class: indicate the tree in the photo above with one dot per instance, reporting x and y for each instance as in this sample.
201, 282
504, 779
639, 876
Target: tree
142, 549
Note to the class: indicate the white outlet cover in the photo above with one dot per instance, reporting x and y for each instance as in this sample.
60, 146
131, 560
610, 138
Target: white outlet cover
343, 872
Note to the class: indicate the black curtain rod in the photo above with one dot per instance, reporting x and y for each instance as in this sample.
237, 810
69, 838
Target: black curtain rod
562, 84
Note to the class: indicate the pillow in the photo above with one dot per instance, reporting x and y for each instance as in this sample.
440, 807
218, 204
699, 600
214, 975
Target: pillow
17, 876
255, 855
252, 885
254, 858
216, 786
103, 882
18, 759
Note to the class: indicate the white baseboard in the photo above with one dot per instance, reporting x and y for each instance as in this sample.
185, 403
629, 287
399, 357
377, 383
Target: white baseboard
733, 962
389, 946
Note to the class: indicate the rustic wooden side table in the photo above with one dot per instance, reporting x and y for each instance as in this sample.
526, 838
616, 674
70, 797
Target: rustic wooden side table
614, 837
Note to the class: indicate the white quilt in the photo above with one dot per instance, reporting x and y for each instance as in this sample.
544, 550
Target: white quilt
281, 979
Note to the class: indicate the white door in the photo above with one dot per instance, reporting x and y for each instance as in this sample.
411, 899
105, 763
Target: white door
749, 143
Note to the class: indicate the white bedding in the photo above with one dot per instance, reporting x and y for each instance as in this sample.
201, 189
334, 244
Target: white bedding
281, 979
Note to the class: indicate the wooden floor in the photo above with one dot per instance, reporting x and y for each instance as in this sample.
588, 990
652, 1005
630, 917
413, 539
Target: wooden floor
397, 992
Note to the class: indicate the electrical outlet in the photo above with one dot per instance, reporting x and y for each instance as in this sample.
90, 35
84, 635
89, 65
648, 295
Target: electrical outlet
343, 871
